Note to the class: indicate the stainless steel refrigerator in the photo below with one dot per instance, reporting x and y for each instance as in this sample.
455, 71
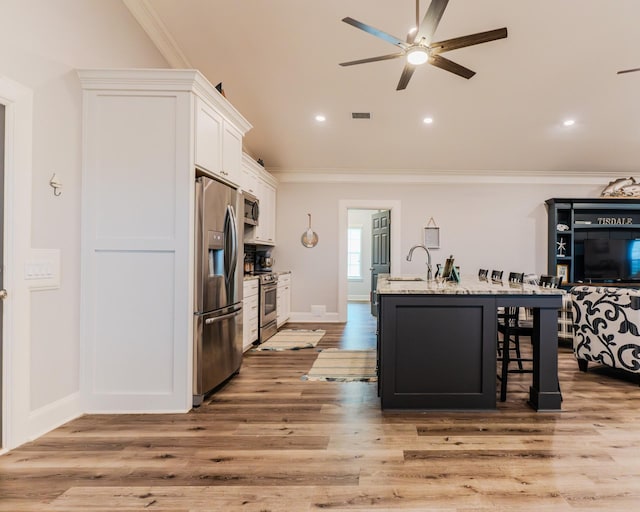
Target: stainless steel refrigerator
217, 348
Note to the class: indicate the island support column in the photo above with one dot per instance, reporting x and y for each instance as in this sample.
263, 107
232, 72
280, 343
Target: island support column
544, 394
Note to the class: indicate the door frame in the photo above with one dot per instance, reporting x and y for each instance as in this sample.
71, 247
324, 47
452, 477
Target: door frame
18, 102
344, 205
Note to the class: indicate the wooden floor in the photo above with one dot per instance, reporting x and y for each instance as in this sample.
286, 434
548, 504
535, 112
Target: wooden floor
269, 441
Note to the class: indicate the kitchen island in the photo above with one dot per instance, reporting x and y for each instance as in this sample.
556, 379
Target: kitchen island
437, 342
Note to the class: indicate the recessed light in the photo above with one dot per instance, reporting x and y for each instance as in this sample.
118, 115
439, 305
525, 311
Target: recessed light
569, 122
427, 120
320, 118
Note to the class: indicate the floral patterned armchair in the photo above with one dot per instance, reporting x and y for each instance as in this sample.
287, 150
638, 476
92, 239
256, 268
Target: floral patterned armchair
606, 327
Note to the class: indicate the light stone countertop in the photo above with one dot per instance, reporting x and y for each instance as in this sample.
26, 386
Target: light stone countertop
469, 285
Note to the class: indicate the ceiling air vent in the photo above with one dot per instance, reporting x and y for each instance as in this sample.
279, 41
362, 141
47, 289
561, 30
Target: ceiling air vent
360, 115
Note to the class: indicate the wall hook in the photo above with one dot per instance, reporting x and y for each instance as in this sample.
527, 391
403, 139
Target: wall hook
56, 185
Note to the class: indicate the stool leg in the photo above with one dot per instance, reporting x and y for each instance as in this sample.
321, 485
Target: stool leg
517, 342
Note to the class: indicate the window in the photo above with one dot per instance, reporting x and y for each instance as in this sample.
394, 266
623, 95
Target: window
354, 253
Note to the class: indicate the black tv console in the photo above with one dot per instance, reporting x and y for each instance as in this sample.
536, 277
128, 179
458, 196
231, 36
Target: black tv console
572, 221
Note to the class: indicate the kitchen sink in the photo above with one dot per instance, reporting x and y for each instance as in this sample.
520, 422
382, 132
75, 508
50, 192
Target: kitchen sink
404, 278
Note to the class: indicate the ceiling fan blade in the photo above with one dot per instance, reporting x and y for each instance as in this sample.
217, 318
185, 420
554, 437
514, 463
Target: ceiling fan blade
375, 32
627, 71
407, 72
470, 40
449, 65
431, 20
413, 33
373, 59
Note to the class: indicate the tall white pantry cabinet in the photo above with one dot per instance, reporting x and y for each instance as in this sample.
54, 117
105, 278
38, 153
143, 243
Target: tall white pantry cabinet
144, 132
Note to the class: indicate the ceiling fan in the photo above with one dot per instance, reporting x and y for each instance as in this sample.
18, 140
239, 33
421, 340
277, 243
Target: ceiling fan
418, 47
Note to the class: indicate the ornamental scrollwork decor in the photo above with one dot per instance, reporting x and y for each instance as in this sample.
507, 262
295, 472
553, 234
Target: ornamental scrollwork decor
622, 187
605, 326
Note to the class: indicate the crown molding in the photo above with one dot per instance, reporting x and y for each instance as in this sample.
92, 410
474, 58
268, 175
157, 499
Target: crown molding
253, 166
146, 79
445, 177
151, 23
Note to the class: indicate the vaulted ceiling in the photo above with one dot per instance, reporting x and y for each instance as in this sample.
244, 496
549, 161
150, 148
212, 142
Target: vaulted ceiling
278, 62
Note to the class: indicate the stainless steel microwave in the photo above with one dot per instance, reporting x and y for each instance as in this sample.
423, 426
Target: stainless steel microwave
251, 209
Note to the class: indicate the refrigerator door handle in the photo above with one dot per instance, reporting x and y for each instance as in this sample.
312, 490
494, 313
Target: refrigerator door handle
231, 249
210, 321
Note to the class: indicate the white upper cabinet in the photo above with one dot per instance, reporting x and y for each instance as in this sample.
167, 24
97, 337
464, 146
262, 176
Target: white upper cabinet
266, 229
258, 182
231, 154
218, 144
208, 147
249, 175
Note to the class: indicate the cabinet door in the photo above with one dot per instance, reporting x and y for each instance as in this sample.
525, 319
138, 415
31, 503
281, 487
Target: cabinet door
271, 226
250, 313
262, 229
280, 305
284, 298
249, 181
208, 143
266, 230
231, 154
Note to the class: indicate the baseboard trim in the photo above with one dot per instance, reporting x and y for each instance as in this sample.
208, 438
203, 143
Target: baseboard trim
311, 318
52, 415
358, 298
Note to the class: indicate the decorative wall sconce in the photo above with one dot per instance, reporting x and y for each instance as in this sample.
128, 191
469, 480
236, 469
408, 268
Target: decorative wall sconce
56, 185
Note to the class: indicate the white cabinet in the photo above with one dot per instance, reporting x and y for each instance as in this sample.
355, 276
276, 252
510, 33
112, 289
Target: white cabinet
231, 154
283, 299
208, 154
250, 313
144, 131
266, 229
261, 184
218, 144
250, 174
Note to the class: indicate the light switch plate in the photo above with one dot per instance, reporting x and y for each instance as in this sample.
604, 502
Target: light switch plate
42, 269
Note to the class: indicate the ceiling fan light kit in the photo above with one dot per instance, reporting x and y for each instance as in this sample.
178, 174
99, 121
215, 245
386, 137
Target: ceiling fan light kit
419, 48
417, 55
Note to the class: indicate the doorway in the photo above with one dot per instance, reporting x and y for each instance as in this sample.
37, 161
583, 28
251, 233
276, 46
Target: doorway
359, 255
370, 207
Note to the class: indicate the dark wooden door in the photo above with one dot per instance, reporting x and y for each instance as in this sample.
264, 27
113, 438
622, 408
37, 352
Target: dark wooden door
380, 252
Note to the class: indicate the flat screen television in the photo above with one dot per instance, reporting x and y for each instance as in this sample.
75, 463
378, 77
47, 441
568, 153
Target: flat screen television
612, 259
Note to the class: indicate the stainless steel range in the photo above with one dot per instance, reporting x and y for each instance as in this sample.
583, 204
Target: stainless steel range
268, 301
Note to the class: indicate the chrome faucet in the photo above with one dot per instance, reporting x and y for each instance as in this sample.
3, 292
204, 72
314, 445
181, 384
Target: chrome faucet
410, 255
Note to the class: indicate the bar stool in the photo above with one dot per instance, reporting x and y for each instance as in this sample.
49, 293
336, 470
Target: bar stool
548, 281
511, 326
483, 273
496, 275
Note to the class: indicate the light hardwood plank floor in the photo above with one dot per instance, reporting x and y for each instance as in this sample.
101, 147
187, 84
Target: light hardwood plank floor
269, 441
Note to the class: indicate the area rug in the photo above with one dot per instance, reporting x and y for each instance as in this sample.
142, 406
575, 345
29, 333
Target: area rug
292, 339
344, 366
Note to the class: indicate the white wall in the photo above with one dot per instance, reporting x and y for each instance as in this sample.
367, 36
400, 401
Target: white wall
359, 289
42, 43
491, 225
